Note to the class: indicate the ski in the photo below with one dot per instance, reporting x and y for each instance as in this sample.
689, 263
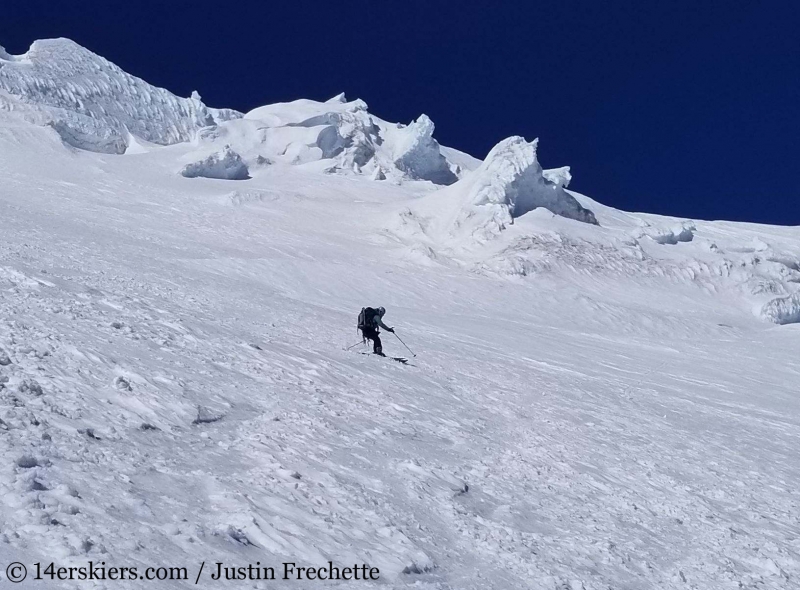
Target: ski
399, 359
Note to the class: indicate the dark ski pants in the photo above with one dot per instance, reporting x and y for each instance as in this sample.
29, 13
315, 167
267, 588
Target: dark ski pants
372, 334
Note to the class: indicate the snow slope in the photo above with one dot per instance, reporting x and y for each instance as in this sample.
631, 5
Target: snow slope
591, 406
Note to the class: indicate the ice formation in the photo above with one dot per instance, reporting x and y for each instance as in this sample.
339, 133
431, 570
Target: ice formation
224, 165
92, 103
512, 183
507, 185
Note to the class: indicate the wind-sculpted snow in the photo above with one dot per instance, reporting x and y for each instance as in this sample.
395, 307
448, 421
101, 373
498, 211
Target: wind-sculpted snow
92, 103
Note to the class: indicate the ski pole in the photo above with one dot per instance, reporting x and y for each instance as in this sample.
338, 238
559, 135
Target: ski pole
354, 345
404, 344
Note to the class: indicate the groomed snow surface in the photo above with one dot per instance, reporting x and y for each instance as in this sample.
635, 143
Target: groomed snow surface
600, 399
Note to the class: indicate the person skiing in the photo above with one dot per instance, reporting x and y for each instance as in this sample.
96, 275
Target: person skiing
369, 322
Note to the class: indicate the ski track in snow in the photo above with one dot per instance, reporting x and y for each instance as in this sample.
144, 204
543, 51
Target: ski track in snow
174, 386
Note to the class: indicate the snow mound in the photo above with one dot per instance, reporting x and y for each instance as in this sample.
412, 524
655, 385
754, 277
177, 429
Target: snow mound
224, 165
92, 103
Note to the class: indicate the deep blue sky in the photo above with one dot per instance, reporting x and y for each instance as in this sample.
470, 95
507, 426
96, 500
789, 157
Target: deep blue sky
674, 107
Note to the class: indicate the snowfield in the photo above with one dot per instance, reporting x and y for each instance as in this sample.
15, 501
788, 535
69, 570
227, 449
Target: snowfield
600, 399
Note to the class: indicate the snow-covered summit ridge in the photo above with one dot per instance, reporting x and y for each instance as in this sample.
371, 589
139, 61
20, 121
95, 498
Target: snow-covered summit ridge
95, 105
355, 141
92, 103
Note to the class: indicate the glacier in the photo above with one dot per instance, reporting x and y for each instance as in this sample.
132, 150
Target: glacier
599, 398
92, 103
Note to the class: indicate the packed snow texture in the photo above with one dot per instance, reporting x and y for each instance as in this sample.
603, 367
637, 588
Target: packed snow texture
592, 406
92, 103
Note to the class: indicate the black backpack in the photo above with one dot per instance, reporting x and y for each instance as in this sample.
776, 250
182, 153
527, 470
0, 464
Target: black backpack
366, 318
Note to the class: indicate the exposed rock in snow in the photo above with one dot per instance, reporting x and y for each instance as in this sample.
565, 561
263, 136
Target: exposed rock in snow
225, 165
92, 103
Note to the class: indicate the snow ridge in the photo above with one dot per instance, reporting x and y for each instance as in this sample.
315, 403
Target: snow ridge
92, 103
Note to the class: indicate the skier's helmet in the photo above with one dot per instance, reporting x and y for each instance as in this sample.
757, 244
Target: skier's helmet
381, 311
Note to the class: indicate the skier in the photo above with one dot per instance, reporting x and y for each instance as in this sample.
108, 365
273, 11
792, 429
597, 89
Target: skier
369, 320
